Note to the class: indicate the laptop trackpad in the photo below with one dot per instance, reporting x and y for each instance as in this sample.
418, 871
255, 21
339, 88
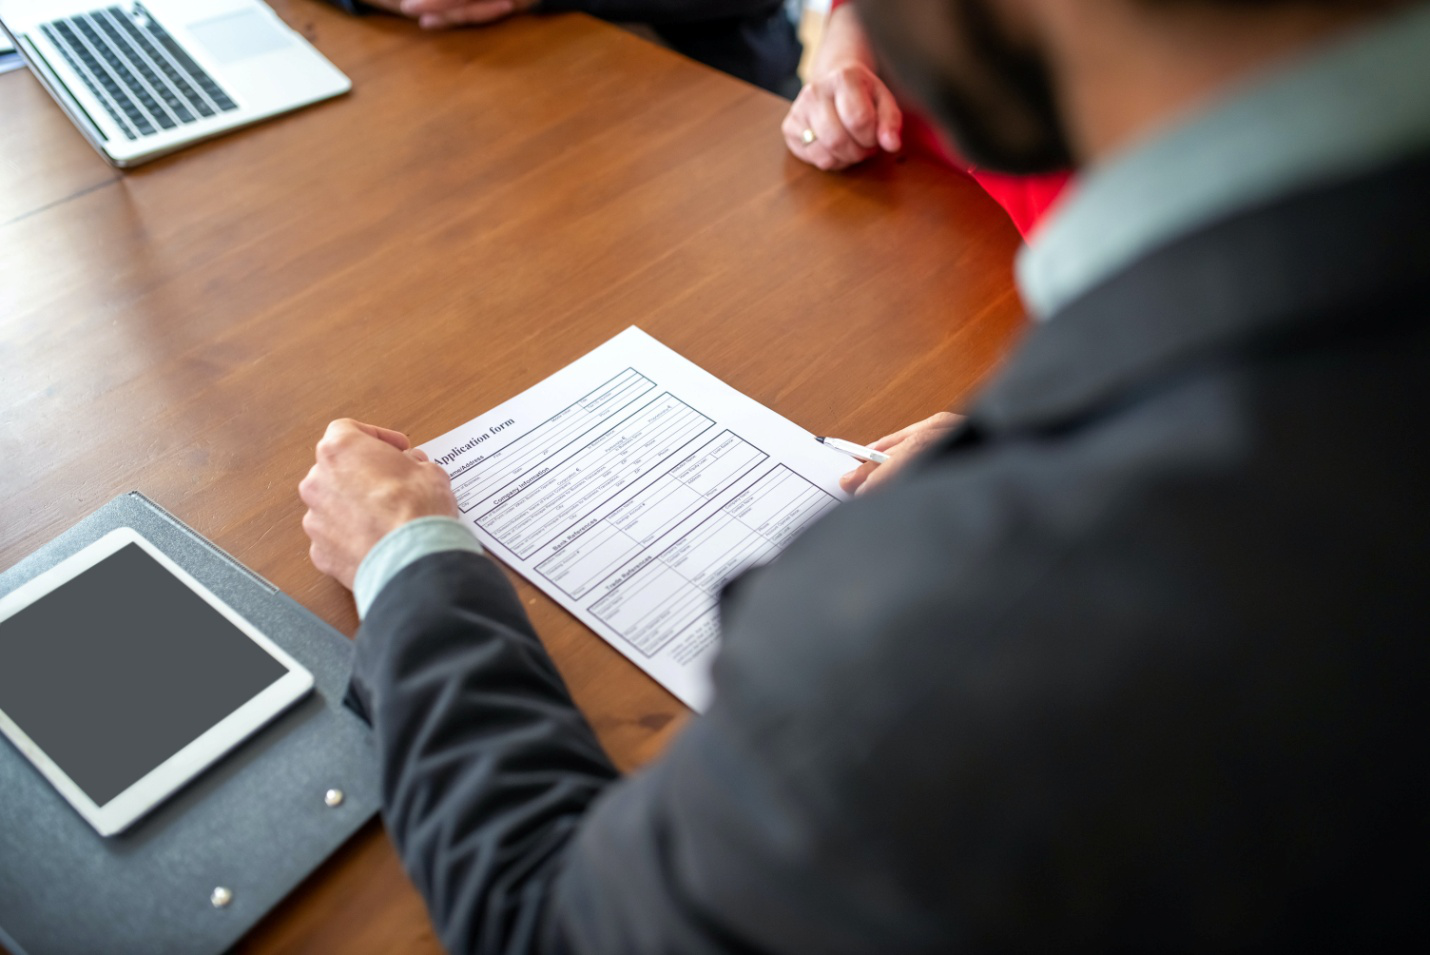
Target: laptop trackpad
238, 36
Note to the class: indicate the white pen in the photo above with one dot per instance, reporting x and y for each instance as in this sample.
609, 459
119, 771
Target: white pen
857, 451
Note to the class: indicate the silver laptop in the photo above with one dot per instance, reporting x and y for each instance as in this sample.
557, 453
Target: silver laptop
144, 79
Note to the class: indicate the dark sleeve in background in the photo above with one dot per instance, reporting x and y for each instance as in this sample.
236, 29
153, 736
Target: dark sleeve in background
752, 40
639, 11
664, 11
763, 50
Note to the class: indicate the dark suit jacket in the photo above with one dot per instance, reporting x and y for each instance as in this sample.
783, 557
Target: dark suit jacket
1136, 661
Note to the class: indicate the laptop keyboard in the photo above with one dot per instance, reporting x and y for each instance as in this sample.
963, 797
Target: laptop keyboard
144, 80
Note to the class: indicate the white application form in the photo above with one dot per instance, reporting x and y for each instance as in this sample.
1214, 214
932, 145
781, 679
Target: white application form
629, 486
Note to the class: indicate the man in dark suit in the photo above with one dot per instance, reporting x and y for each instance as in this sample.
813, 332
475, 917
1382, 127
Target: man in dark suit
1134, 659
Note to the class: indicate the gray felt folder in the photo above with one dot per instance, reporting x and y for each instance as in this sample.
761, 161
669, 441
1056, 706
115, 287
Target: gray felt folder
256, 823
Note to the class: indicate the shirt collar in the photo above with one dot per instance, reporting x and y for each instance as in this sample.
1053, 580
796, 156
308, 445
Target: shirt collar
1346, 109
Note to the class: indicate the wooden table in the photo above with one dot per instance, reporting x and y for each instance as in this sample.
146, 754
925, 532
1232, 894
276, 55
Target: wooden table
485, 207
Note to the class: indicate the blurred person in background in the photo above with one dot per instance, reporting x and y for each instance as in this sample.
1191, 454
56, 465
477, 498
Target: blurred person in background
1131, 659
846, 113
749, 39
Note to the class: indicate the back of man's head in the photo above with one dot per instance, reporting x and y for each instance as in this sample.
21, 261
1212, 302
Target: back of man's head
1035, 85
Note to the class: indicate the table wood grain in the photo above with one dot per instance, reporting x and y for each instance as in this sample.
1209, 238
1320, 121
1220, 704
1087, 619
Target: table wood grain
485, 207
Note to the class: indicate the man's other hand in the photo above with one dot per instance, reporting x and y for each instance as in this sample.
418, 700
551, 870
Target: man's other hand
368, 481
901, 447
441, 14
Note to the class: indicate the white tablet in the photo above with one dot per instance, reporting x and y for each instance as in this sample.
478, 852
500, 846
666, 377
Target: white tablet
122, 678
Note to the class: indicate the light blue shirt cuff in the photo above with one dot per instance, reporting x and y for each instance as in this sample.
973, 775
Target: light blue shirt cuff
408, 543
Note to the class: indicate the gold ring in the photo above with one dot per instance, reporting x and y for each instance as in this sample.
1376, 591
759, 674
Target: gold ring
808, 136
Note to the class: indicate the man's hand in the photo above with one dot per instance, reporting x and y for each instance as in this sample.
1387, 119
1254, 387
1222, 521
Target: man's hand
901, 447
368, 481
441, 14
845, 113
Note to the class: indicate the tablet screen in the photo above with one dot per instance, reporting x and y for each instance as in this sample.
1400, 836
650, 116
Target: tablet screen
120, 668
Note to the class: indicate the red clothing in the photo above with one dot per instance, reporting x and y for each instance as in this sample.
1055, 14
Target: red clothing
1024, 198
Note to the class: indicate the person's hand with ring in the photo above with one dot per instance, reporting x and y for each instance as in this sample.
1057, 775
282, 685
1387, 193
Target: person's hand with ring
845, 113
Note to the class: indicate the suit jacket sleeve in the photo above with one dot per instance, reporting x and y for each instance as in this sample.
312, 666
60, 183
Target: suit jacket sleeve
512, 822
487, 766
